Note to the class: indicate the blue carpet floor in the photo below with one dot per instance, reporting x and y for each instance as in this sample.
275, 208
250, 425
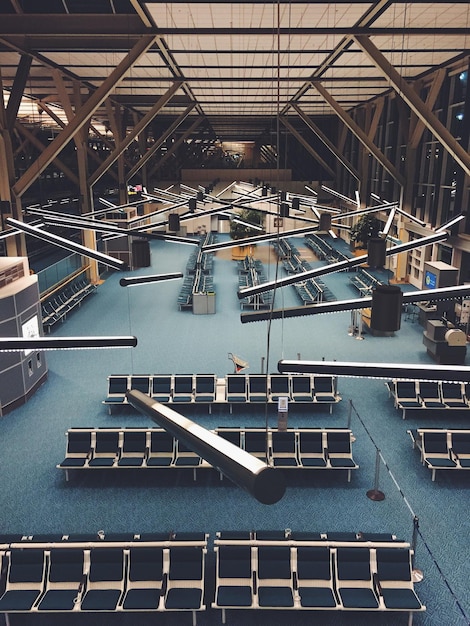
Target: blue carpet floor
36, 499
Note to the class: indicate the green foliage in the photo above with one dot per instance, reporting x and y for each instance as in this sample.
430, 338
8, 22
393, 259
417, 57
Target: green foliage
367, 227
248, 216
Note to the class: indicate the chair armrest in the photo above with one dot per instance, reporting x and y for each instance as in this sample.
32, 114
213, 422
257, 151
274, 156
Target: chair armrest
377, 585
164, 584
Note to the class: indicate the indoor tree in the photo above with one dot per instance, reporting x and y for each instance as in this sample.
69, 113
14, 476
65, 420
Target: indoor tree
367, 227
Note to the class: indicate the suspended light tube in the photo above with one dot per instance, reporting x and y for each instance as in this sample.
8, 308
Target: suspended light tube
388, 225
450, 223
399, 371
333, 192
315, 193
262, 481
257, 239
336, 267
337, 306
67, 244
103, 227
16, 344
139, 280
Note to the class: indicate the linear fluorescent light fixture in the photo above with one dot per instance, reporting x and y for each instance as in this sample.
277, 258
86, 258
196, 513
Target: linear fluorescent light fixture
111, 229
16, 344
315, 193
450, 223
335, 267
116, 264
140, 280
338, 306
264, 482
333, 192
400, 371
248, 224
258, 239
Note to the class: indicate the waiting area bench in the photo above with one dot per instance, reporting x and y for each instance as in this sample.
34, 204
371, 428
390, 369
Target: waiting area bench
442, 448
310, 291
155, 448
251, 273
103, 573
170, 571
416, 394
232, 389
198, 278
55, 307
312, 571
364, 281
323, 250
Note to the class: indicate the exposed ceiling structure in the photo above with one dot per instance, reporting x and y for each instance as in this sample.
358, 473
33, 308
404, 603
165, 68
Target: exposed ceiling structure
236, 67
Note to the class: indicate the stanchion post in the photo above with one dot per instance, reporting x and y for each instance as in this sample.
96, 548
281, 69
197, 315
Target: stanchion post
375, 493
349, 414
416, 574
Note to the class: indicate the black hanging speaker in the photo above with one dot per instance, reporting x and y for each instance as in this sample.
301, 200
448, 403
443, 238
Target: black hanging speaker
282, 196
283, 209
140, 253
325, 221
200, 195
264, 191
387, 302
295, 203
192, 207
173, 221
376, 248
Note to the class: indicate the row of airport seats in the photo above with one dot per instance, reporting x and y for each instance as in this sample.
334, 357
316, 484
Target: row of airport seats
310, 291
250, 273
416, 394
323, 250
155, 448
364, 281
232, 389
56, 307
309, 571
103, 573
198, 276
107, 573
442, 448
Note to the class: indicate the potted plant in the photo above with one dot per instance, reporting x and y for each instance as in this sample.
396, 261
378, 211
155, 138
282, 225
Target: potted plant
367, 227
247, 223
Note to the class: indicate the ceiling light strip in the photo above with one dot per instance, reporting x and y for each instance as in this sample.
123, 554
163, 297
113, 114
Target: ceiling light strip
67, 244
16, 344
388, 371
